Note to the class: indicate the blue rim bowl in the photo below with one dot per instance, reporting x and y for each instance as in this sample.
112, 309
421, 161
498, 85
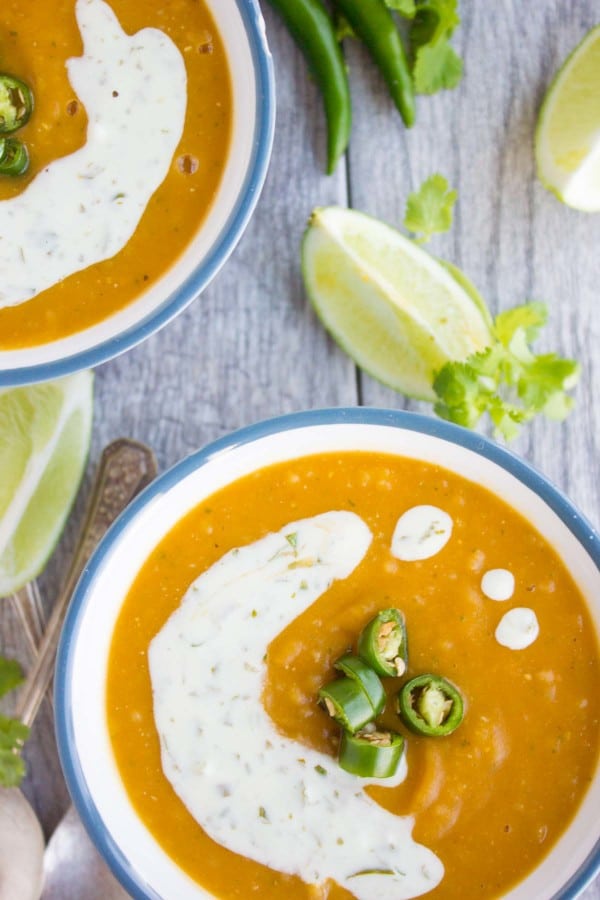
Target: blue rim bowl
291, 429
211, 262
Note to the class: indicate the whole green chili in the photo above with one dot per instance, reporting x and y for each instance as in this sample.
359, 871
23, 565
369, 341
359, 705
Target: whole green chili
373, 23
312, 28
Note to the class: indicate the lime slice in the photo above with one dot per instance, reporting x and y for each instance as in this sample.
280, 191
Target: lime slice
44, 440
398, 312
567, 141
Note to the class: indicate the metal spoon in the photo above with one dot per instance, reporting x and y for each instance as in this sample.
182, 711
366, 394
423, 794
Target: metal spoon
72, 866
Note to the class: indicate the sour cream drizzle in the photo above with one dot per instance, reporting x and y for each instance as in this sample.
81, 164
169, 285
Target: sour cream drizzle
420, 533
84, 207
253, 790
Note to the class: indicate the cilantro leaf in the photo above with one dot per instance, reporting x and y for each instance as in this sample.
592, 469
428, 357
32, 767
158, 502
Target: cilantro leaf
11, 675
435, 19
507, 380
429, 210
437, 67
13, 735
12, 769
406, 8
531, 318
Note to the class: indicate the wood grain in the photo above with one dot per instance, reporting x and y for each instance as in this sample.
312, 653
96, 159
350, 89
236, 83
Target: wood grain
252, 348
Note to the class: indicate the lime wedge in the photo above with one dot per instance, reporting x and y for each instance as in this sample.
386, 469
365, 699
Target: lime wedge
44, 440
567, 141
398, 312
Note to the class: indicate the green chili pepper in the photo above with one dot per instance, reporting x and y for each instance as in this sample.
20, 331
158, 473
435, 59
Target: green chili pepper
356, 669
375, 26
382, 643
16, 103
312, 28
430, 705
14, 158
371, 754
346, 701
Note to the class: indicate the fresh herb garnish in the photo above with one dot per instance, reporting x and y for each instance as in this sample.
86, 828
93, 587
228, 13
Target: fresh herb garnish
507, 380
406, 8
436, 65
11, 675
292, 539
13, 733
429, 210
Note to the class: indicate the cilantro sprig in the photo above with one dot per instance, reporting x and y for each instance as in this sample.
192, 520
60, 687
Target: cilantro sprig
507, 380
13, 733
436, 65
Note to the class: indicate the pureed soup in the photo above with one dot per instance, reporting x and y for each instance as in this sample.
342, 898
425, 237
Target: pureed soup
128, 142
280, 572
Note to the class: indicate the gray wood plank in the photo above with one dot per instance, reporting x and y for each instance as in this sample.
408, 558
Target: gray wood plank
513, 238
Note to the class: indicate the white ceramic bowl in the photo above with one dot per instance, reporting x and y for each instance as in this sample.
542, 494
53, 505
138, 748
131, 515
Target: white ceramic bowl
241, 27
135, 857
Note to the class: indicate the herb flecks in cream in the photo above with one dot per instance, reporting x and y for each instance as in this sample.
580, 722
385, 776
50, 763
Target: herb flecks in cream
421, 532
253, 790
83, 208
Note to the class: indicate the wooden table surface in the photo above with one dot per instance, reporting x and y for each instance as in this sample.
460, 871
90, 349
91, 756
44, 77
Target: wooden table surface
251, 346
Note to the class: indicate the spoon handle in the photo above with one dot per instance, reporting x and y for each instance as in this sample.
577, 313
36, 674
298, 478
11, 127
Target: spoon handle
125, 468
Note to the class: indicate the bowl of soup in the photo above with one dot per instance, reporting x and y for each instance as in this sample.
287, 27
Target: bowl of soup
148, 143
218, 607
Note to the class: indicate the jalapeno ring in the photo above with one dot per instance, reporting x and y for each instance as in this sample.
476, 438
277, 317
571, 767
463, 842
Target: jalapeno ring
371, 754
430, 705
383, 645
14, 158
347, 702
16, 103
354, 667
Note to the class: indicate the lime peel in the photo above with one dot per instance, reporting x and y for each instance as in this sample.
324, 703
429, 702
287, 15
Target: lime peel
44, 440
397, 311
567, 140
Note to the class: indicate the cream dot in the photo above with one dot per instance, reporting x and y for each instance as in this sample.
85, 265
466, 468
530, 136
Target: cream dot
518, 628
420, 533
498, 584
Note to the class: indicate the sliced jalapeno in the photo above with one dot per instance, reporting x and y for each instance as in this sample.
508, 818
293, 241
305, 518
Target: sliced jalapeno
14, 158
382, 643
346, 701
359, 671
430, 705
371, 753
16, 103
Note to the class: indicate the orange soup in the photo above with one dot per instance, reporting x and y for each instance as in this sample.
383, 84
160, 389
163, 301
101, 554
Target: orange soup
490, 799
150, 189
